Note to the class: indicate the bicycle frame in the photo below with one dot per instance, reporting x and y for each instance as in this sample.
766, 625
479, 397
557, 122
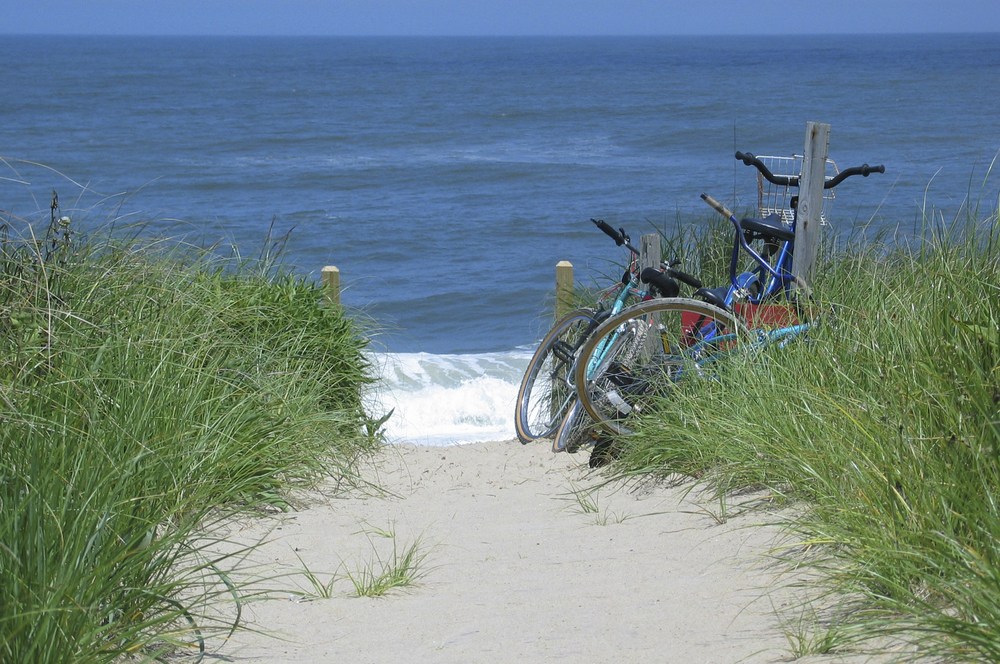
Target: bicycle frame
775, 280
624, 290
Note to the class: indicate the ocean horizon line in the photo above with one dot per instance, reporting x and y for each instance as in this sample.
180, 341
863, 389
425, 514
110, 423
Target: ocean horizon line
727, 35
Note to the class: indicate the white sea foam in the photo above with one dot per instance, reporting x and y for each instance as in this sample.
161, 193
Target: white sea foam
448, 399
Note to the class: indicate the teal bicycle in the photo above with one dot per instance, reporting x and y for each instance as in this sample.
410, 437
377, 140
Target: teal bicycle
547, 396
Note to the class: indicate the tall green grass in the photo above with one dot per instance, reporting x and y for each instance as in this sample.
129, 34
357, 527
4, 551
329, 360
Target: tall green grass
882, 429
145, 392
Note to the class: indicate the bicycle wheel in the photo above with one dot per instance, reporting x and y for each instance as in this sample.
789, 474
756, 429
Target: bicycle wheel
575, 429
645, 351
546, 393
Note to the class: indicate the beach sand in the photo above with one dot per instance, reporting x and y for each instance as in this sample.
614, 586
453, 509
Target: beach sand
514, 568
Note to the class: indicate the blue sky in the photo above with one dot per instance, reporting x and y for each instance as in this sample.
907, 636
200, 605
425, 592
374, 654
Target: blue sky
495, 17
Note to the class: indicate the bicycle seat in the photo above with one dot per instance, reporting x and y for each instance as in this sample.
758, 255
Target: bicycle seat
769, 228
660, 282
716, 296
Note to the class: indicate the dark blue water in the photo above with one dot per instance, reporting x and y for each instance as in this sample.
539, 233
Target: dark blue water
445, 177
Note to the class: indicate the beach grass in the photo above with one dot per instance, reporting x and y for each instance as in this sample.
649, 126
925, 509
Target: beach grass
380, 569
148, 390
401, 566
876, 439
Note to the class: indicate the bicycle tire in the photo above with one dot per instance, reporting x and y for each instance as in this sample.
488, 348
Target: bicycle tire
574, 431
542, 405
646, 349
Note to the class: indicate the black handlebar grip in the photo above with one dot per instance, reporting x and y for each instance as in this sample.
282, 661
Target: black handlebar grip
781, 180
863, 170
610, 232
689, 279
667, 286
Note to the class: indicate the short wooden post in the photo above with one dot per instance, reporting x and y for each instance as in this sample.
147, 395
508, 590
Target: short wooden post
564, 289
330, 280
649, 256
649, 251
810, 206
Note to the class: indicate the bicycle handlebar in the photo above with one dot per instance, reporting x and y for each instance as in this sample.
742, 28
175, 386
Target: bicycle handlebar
668, 272
717, 206
864, 170
610, 232
689, 279
780, 180
793, 180
619, 236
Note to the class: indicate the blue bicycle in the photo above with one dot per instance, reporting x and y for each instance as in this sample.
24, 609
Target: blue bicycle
649, 347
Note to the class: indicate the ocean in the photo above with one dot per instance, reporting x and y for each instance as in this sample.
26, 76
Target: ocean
446, 177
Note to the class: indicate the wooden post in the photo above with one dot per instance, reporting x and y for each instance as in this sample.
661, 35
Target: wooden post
564, 289
810, 209
649, 256
649, 251
330, 279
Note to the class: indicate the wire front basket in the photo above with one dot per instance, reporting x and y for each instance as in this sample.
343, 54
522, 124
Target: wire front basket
774, 199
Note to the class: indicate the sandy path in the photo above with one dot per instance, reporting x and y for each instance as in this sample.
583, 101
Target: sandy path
516, 570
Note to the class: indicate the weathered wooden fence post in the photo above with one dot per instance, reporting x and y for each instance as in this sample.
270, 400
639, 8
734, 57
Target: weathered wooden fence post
649, 251
564, 289
329, 277
810, 206
649, 256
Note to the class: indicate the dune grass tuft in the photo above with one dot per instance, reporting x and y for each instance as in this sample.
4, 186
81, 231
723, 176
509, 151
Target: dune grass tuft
882, 428
146, 390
